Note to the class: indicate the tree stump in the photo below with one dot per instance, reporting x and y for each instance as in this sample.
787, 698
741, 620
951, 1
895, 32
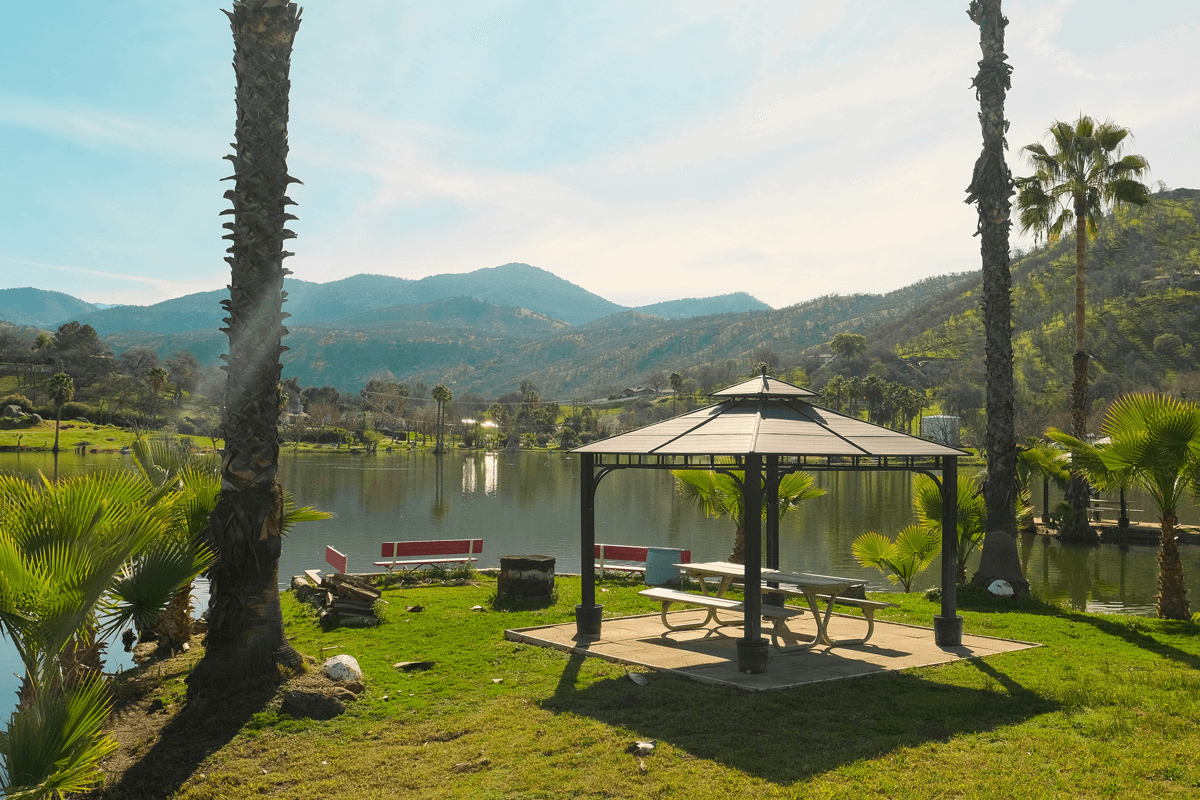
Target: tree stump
526, 576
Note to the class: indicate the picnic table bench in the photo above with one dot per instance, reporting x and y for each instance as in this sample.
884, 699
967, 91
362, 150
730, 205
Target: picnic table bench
779, 615
815, 589
410, 555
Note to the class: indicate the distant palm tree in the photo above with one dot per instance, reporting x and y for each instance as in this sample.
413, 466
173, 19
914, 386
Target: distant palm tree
1154, 444
62, 389
720, 494
1084, 175
442, 395
156, 378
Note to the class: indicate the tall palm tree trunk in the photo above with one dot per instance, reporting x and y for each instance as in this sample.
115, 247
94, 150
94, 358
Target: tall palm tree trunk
1172, 599
991, 188
246, 641
1078, 494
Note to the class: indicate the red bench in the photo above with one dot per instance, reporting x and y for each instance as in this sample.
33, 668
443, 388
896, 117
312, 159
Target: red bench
429, 552
628, 554
337, 560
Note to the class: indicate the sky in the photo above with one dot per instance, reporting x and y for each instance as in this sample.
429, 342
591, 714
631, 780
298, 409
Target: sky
645, 151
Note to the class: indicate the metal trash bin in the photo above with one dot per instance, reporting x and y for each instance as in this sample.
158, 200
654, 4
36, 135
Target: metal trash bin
660, 566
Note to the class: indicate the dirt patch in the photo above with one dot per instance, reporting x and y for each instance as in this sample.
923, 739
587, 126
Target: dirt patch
160, 745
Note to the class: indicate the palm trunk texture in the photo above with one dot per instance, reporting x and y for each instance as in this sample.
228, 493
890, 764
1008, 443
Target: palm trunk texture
245, 627
991, 189
1076, 527
1172, 600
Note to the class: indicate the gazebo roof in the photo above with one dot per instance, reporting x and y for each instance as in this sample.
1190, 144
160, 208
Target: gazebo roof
766, 416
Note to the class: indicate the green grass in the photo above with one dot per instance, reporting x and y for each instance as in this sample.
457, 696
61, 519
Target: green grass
1108, 708
101, 438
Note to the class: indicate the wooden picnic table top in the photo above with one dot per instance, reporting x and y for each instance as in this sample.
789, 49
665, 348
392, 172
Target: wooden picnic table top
727, 569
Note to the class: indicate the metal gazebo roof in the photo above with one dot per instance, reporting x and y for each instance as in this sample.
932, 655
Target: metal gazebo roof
767, 416
767, 422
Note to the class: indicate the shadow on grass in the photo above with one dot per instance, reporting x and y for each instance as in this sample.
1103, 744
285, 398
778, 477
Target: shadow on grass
184, 744
789, 736
1129, 631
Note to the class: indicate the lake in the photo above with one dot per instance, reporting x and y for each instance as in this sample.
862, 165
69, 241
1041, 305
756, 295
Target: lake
525, 503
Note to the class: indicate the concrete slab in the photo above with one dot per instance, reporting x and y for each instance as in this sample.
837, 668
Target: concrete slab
710, 655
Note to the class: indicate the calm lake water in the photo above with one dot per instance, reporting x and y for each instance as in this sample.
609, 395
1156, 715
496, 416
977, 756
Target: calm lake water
524, 503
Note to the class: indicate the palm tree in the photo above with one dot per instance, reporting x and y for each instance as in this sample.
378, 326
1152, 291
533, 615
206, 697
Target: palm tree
246, 641
991, 187
61, 545
1084, 175
442, 394
972, 515
902, 559
157, 379
676, 387
833, 391
62, 389
1154, 444
719, 494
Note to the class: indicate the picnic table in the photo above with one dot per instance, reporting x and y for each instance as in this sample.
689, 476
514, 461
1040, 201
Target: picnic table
814, 589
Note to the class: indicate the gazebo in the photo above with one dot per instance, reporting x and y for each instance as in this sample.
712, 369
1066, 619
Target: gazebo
766, 428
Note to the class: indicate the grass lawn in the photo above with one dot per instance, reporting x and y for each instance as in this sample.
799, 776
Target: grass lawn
101, 438
1108, 708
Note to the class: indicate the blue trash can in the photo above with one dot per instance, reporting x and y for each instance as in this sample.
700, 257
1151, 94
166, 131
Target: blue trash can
660, 566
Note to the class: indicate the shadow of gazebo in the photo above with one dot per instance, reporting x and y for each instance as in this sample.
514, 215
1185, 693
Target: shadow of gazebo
767, 428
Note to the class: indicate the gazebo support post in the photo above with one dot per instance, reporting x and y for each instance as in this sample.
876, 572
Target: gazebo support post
947, 626
752, 648
587, 613
772, 490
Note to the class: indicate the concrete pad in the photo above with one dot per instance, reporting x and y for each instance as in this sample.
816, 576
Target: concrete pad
709, 655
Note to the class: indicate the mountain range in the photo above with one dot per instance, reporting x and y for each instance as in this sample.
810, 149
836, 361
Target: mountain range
343, 302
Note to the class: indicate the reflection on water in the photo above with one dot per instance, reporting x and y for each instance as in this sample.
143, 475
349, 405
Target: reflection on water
525, 503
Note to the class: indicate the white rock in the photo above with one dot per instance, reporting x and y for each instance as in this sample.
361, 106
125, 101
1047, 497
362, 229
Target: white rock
342, 668
1001, 589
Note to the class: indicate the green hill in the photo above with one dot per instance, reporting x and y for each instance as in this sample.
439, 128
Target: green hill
1143, 318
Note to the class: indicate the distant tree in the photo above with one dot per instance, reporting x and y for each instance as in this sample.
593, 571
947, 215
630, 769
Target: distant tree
848, 345
442, 395
324, 394
137, 361
655, 380
676, 387
835, 387
184, 371
78, 351
1076, 182
156, 379
62, 389
959, 399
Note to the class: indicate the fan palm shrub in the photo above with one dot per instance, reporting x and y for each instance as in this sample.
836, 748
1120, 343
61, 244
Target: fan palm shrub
1154, 443
901, 559
720, 494
972, 515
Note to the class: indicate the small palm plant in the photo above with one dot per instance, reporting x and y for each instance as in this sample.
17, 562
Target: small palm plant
902, 559
1154, 443
719, 494
972, 514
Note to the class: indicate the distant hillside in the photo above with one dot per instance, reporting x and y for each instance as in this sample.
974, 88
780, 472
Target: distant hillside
40, 308
581, 361
459, 312
1143, 295
705, 306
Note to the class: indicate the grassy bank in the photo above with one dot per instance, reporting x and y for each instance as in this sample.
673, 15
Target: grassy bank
1108, 708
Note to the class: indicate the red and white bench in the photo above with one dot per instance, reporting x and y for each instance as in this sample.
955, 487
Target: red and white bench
630, 558
410, 555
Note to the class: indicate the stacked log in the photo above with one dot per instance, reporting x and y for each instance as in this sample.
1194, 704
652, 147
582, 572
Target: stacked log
341, 600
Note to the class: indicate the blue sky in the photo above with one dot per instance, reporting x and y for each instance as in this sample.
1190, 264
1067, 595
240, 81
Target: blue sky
643, 150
